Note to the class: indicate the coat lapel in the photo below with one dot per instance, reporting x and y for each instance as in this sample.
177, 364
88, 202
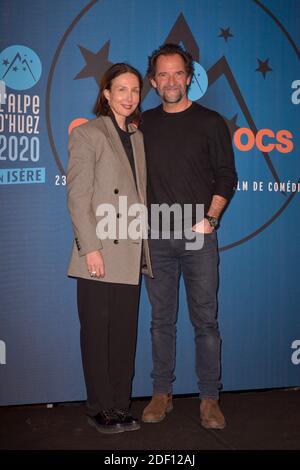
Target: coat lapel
138, 154
117, 145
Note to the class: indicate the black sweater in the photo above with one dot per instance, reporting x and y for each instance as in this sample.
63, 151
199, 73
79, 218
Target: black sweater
189, 156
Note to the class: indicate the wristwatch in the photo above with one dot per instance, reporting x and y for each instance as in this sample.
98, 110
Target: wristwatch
213, 221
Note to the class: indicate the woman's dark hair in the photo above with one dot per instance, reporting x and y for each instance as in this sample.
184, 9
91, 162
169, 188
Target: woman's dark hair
170, 49
102, 107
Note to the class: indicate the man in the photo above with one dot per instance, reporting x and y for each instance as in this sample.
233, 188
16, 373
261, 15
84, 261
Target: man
190, 161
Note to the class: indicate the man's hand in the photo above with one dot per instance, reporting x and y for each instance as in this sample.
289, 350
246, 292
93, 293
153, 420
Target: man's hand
95, 264
203, 227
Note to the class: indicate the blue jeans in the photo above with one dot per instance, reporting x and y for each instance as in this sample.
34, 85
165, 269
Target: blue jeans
200, 274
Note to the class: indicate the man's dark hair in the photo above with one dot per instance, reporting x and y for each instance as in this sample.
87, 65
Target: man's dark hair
170, 49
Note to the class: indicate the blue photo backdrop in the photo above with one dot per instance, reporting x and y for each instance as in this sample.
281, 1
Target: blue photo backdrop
52, 55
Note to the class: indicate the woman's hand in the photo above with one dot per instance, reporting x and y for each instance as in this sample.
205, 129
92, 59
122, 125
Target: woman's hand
95, 264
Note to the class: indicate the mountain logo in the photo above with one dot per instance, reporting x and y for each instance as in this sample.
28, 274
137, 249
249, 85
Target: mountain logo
233, 80
199, 83
20, 67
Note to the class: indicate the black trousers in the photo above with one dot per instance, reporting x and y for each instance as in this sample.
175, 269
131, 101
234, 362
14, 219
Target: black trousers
108, 325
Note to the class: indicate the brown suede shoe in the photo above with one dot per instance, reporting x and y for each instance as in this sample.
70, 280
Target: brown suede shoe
211, 416
156, 410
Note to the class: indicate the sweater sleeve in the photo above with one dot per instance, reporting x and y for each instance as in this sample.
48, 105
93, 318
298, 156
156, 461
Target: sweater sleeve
225, 175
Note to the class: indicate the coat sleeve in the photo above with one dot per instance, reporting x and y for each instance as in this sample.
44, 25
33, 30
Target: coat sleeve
80, 186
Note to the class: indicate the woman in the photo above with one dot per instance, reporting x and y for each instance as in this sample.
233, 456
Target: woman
106, 165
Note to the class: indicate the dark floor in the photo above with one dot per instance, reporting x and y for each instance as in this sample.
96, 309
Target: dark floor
256, 420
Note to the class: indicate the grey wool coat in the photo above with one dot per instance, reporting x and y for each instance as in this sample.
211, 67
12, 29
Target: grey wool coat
99, 173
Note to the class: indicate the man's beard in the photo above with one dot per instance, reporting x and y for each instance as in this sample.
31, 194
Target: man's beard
172, 97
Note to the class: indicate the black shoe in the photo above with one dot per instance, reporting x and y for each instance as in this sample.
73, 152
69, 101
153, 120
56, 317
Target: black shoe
106, 422
126, 420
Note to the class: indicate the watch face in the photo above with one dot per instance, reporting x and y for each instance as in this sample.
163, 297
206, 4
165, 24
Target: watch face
212, 221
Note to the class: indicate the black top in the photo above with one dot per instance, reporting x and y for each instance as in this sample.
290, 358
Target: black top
189, 156
126, 141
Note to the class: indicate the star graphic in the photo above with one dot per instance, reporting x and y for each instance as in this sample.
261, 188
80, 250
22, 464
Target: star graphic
96, 64
24, 68
263, 67
15, 69
225, 33
232, 125
5, 62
